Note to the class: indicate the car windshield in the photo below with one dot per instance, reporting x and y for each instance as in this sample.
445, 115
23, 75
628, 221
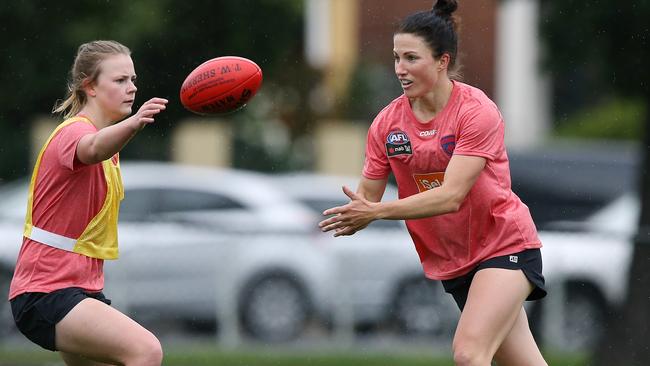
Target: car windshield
144, 202
620, 216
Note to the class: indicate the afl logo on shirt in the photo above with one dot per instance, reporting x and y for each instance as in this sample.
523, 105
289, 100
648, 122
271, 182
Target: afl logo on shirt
448, 143
398, 143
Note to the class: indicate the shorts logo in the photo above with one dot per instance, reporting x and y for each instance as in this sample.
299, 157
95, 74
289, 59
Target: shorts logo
398, 143
514, 259
448, 143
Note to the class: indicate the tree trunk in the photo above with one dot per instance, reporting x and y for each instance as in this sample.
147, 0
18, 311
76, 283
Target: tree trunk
627, 340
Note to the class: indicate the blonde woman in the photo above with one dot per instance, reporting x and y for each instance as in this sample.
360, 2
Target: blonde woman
71, 222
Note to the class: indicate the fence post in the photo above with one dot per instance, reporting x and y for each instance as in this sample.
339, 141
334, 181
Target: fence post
343, 304
229, 333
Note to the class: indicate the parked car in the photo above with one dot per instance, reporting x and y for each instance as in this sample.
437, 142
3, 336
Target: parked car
378, 267
197, 242
205, 245
586, 267
585, 224
563, 182
188, 232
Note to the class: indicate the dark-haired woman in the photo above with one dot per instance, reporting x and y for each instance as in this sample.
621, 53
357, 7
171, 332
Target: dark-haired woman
444, 142
71, 222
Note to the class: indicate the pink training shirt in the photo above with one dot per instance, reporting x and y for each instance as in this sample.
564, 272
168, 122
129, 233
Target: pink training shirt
67, 195
492, 220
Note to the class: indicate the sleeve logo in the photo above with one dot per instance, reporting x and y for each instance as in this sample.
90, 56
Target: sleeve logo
448, 144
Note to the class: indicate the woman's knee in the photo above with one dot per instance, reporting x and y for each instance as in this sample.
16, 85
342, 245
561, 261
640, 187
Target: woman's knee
470, 352
148, 353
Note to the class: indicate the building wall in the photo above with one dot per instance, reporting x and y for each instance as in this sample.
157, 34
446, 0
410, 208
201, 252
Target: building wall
378, 20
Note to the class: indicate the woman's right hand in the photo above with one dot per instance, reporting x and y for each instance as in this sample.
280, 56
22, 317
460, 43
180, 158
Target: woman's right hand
349, 218
145, 115
97, 147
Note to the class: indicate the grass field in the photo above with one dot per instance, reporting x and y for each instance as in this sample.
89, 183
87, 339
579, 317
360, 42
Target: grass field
204, 356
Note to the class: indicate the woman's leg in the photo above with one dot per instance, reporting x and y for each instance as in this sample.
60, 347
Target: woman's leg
101, 333
76, 360
519, 347
493, 308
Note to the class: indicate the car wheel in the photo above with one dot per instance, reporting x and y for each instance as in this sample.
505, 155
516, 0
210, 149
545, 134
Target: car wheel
584, 318
420, 307
274, 307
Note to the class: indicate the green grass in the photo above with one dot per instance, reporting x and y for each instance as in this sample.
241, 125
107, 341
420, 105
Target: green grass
200, 356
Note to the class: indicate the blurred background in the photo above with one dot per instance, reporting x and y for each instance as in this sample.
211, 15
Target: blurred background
218, 236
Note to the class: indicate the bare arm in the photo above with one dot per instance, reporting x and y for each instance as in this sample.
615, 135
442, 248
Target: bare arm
97, 147
460, 176
372, 189
368, 193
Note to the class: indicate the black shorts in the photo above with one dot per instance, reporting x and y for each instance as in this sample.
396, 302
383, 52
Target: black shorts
529, 261
37, 313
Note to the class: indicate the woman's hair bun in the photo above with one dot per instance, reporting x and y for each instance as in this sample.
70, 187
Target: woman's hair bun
444, 8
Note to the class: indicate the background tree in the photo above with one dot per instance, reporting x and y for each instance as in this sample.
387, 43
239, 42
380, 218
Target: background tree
601, 48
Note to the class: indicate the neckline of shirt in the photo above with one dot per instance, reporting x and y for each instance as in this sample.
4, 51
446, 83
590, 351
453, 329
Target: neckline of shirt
427, 125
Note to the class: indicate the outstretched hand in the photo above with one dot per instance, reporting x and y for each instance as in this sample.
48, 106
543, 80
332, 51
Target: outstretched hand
145, 115
349, 218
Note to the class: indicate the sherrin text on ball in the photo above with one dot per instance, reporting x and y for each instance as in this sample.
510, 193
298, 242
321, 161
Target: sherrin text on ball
221, 85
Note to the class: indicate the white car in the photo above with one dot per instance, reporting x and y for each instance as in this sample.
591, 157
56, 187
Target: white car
199, 242
379, 271
242, 248
586, 268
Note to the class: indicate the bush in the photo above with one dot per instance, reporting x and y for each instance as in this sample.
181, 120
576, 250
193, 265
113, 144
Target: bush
618, 119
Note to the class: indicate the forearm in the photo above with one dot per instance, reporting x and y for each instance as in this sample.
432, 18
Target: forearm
107, 142
437, 201
460, 175
372, 189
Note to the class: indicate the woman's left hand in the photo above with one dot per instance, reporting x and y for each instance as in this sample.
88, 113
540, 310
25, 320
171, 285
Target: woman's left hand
349, 218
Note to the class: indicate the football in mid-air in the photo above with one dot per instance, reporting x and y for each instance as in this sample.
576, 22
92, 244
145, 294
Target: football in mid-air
221, 85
